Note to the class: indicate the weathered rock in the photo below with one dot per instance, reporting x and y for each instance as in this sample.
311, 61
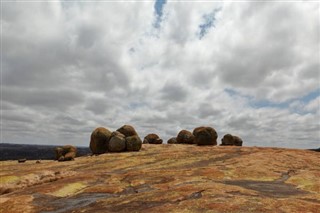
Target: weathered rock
118, 134
152, 139
99, 140
205, 136
117, 142
133, 143
227, 140
127, 130
231, 140
172, 140
22, 160
65, 153
197, 129
186, 137
237, 141
167, 178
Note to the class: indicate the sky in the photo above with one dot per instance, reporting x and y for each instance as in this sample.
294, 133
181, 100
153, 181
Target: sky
248, 68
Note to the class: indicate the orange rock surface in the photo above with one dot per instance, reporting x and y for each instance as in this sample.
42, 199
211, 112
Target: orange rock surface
167, 178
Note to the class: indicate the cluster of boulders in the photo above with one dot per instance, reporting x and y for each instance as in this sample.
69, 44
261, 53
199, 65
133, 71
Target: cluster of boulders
126, 139
65, 153
204, 136
123, 139
152, 139
231, 140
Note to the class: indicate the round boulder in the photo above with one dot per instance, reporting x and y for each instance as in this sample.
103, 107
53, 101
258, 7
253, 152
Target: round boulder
237, 141
205, 136
65, 153
127, 130
99, 140
172, 140
227, 140
133, 143
186, 137
152, 139
117, 142
197, 129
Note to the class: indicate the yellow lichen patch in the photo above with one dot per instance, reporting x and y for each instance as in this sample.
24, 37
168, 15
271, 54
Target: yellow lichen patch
70, 189
8, 179
104, 189
305, 183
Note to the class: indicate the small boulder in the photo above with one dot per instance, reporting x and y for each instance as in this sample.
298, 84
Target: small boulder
22, 160
172, 140
65, 153
152, 139
237, 141
133, 143
117, 142
99, 140
227, 140
205, 136
127, 130
185, 137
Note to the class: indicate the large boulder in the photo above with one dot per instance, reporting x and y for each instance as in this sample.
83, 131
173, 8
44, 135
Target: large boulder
197, 129
186, 137
99, 140
127, 130
172, 140
205, 136
231, 140
152, 139
133, 143
117, 142
65, 153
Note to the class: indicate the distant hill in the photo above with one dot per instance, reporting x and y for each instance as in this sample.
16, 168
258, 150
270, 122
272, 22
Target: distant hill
32, 152
317, 150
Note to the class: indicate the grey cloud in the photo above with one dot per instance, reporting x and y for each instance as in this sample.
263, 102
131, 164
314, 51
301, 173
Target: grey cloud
88, 35
174, 92
206, 110
99, 106
56, 99
202, 78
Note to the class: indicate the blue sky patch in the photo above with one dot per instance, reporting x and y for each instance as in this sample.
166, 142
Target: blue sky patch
311, 96
158, 7
209, 22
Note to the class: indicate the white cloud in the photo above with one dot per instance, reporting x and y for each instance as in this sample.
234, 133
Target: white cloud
70, 67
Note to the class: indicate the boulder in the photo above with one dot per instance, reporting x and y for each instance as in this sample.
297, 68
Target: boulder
227, 140
117, 133
99, 140
117, 143
196, 130
205, 136
65, 153
127, 130
237, 141
152, 139
185, 137
172, 140
133, 143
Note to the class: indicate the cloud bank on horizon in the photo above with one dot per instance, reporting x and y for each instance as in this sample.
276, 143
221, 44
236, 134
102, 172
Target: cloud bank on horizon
250, 69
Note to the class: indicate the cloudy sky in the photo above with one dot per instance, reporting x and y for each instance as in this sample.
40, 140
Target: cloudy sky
247, 68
